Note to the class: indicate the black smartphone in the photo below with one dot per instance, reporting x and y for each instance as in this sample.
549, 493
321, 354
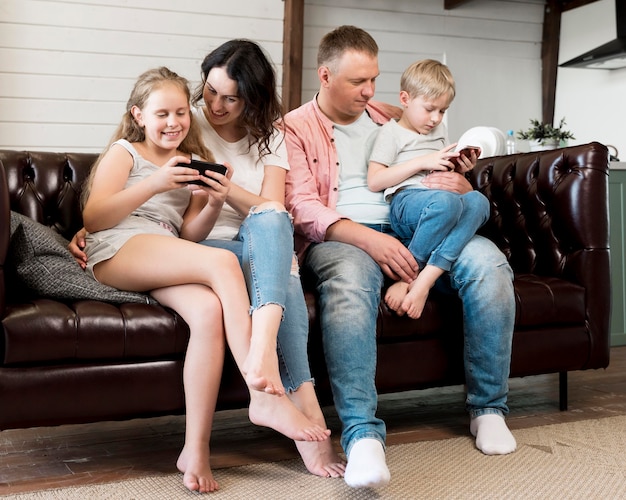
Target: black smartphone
202, 166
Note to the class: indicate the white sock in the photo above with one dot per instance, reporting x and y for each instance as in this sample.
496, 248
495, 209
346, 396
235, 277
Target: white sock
493, 437
366, 465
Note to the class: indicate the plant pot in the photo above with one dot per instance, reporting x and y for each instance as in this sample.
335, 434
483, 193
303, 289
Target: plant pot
543, 145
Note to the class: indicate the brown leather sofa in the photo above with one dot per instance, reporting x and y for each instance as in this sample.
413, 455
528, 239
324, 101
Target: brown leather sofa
82, 361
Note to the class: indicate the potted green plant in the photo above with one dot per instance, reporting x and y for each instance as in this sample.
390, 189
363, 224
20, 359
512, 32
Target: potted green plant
545, 136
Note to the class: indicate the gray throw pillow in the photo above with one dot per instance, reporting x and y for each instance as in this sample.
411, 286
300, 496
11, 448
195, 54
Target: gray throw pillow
40, 261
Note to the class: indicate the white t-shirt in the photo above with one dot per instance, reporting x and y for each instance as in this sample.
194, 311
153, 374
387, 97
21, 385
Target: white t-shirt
396, 144
354, 143
248, 169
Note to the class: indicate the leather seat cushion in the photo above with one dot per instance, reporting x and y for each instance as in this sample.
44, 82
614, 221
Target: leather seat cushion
45, 330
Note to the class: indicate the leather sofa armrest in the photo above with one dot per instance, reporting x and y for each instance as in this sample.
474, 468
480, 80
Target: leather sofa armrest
4, 234
550, 217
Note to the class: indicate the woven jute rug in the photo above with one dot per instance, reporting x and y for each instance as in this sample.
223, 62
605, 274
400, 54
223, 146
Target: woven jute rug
579, 460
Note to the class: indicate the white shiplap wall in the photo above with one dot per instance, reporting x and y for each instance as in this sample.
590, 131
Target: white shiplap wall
493, 48
67, 67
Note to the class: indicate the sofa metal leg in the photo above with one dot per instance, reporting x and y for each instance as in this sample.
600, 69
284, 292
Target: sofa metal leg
563, 391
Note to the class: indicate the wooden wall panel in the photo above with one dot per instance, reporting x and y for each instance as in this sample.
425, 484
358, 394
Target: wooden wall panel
492, 47
67, 67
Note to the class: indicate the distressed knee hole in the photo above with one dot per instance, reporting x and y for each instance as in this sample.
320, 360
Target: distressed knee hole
268, 206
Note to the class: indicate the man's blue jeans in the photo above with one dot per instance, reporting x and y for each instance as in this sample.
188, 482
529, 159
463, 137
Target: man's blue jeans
435, 225
349, 285
264, 247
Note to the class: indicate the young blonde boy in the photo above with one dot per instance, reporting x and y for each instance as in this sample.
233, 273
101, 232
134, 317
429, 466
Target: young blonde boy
434, 224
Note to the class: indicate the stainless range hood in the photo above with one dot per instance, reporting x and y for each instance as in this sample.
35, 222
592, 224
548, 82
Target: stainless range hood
611, 55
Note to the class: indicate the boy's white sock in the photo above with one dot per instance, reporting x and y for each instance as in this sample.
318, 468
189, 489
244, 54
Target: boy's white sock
366, 465
493, 437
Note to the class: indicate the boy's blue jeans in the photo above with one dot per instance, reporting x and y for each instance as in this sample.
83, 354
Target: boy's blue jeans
264, 247
435, 225
349, 284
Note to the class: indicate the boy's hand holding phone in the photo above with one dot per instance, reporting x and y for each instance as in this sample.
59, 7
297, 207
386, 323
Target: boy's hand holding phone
465, 153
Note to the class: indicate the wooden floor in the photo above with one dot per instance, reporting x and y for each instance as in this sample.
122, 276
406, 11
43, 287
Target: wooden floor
52, 457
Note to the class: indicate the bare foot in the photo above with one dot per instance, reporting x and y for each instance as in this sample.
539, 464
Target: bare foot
321, 459
281, 415
395, 295
197, 475
261, 368
415, 300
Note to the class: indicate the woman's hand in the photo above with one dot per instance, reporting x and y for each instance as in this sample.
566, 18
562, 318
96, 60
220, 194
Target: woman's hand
76, 247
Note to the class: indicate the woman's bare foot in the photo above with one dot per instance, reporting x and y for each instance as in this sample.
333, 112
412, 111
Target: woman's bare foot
415, 300
396, 294
281, 415
321, 459
261, 368
197, 475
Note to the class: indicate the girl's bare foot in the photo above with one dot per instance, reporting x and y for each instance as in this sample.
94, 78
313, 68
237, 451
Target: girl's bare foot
197, 475
415, 300
281, 415
321, 459
395, 295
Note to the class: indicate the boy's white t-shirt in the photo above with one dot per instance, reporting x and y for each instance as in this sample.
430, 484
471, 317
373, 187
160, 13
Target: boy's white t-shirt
396, 144
248, 169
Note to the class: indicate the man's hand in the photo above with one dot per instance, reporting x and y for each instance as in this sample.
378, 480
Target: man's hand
392, 256
448, 181
76, 247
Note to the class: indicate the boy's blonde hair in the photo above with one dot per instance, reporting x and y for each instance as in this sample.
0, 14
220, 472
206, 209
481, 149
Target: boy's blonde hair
428, 78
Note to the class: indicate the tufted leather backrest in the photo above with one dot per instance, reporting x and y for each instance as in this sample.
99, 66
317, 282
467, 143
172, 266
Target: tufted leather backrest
46, 186
529, 191
525, 190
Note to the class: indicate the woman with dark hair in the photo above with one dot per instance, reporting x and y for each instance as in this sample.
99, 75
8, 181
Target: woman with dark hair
237, 107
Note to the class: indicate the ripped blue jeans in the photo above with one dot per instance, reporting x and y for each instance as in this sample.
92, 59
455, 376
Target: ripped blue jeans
264, 247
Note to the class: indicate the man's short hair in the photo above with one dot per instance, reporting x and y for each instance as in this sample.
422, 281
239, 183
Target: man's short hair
344, 38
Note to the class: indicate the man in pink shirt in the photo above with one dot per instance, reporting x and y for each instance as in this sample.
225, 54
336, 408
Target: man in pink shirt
346, 247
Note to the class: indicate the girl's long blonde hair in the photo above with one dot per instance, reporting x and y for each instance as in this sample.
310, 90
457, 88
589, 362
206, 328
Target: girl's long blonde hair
129, 129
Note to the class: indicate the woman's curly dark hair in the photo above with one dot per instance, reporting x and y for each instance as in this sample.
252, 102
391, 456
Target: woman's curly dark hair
246, 63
